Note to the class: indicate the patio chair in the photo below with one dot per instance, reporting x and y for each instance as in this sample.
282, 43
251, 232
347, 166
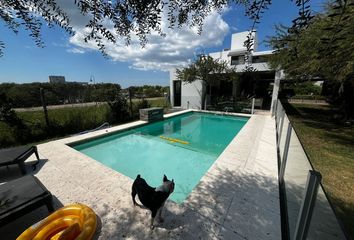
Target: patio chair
18, 155
21, 196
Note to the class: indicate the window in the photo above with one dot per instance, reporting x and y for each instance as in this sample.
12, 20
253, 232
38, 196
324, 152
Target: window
237, 60
259, 59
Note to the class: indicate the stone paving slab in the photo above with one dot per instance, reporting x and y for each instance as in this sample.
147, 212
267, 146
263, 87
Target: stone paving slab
236, 199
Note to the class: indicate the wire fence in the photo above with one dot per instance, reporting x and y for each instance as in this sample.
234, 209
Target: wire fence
245, 105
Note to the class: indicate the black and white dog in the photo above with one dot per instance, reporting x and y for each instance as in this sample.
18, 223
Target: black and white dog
152, 198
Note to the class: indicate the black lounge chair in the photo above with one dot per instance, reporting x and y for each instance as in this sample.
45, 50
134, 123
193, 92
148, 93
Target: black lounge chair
18, 155
21, 196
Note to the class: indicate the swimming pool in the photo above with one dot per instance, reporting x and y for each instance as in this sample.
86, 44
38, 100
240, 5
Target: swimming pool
182, 147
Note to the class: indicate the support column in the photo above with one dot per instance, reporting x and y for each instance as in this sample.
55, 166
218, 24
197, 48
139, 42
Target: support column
279, 74
234, 88
172, 78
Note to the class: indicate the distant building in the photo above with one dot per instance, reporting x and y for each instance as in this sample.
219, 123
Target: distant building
56, 79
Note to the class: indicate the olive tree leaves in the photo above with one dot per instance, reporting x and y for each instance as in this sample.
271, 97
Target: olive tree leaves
29, 14
254, 11
110, 20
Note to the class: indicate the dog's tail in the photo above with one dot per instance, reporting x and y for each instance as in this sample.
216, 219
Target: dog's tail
137, 177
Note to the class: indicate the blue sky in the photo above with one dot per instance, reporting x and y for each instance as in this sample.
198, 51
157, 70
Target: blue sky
77, 61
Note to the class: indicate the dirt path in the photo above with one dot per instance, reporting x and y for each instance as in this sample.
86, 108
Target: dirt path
73, 105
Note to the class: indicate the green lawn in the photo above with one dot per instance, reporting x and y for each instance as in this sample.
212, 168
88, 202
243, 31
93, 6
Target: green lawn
330, 146
159, 102
63, 121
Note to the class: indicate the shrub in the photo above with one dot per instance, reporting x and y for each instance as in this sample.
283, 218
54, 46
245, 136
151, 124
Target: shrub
139, 105
119, 110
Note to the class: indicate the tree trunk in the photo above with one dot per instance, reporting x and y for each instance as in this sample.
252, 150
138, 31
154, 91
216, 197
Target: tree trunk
348, 99
130, 102
41, 90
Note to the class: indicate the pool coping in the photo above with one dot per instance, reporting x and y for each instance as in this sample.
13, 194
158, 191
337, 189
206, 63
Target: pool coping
77, 139
214, 209
137, 124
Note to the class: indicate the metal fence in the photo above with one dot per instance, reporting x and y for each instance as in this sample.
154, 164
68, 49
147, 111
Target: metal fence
245, 105
306, 211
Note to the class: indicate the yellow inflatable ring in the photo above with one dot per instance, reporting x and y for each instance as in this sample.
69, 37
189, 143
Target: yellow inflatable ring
76, 221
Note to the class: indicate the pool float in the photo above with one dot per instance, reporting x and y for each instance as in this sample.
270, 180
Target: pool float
76, 221
174, 140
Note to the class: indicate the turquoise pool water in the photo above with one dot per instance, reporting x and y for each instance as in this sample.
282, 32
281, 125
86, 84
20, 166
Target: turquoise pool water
142, 150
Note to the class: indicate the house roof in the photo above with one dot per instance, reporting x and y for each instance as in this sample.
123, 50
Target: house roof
237, 52
261, 53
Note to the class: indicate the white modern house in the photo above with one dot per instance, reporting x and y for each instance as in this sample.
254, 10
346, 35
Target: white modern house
263, 84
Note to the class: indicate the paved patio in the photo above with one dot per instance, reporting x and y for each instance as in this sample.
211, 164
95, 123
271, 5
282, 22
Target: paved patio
236, 199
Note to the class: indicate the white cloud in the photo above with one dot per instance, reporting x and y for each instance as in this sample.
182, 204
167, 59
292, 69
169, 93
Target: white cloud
234, 29
161, 53
76, 50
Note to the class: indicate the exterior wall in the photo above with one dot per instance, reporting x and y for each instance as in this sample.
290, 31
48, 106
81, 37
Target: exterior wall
237, 48
238, 39
260, 53
255, 41
261, 67
172, 78
241, 67
221, 55
191, 93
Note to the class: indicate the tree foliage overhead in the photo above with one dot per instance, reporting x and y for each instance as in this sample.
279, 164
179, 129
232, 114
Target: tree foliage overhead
110, 20
25, 13
254, 10
323, 50
128, 17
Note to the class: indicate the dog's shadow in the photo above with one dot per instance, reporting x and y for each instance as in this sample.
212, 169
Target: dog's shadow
170, 219
170, 222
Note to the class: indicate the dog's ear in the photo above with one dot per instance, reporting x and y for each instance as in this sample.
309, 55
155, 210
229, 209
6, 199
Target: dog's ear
173, 181
164, 178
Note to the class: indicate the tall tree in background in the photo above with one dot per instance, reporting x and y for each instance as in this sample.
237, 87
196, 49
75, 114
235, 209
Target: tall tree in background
323, 49
7, 114
205, 69
119, 108
10, 118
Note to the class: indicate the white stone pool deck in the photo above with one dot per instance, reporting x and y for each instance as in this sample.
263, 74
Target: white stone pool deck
237, 198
